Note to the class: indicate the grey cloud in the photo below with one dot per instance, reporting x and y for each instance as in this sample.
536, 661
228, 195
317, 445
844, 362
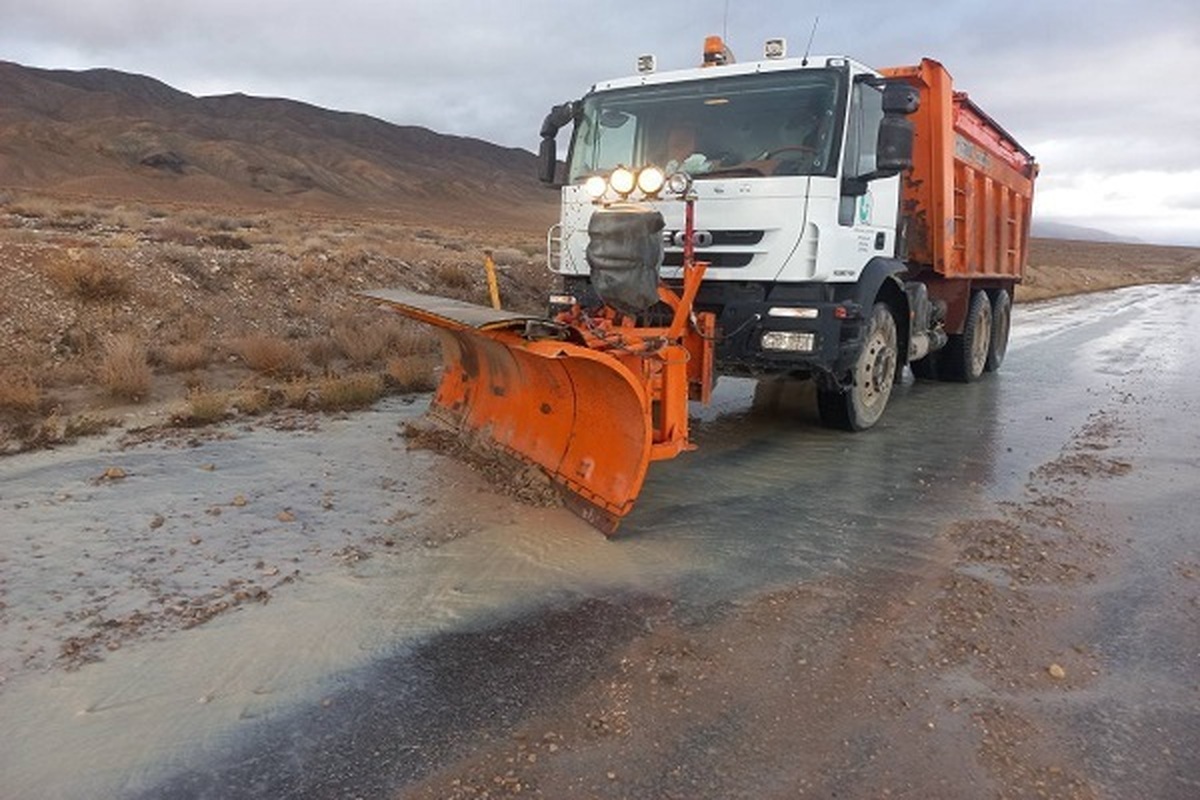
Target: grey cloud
1110, 78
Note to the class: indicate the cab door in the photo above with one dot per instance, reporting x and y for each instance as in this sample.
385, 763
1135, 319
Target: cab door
867, 209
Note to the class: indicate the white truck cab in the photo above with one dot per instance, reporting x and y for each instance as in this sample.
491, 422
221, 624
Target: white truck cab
794, 165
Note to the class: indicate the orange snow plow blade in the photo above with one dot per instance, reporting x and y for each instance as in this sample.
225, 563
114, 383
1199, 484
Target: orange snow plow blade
580, 414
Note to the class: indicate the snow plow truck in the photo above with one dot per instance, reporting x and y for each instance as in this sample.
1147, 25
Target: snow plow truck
808, 218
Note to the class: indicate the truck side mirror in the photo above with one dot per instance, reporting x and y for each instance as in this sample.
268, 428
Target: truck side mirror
548, 161
559, 116
894, 148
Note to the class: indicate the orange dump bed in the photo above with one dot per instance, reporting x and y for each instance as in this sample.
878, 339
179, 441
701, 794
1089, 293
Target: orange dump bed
968, 198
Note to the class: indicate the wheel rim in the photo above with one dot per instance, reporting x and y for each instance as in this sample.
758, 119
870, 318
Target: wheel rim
877, 368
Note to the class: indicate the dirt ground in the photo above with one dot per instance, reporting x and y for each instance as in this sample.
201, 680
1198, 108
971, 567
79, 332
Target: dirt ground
841, 687
971, 664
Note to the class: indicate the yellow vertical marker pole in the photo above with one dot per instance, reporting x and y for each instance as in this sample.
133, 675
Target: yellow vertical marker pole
493, 285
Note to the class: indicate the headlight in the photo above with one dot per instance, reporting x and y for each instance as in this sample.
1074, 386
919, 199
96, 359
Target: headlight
622, 181
650, 180
595, 186
679, 183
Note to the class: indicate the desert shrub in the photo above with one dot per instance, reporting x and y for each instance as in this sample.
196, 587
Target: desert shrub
33, 207
19, 392
296, 394
347, 392
124, 370
183, 357
362, 344
225, 241
269, 355
251, 400
82, 274
509, 255
123, 240
169, 232
86, 425
124, 217
322, 350
203, 408
74, 218
454, 276
410, 338
412, 373
184, 258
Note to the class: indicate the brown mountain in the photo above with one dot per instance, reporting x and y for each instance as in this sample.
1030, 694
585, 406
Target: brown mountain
110, 133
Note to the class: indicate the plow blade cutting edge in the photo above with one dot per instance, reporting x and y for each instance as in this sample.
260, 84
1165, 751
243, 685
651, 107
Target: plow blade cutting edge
580, 415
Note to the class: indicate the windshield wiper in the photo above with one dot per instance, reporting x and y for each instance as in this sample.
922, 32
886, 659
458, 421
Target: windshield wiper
731, 172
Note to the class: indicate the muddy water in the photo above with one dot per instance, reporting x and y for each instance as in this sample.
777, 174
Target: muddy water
389, 552
358, 543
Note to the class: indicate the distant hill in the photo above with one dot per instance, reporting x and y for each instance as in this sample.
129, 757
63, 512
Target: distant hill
110, 133
1048, 229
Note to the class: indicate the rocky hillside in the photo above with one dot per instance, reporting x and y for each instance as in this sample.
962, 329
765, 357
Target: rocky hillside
106, 133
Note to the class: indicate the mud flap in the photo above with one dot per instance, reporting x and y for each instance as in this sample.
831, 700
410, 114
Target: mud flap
578, 414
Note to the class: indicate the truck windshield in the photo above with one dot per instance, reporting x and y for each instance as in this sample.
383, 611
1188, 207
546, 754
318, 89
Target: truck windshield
780, 123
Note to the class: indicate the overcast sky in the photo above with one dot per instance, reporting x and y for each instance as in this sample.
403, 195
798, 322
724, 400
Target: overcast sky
1102, 92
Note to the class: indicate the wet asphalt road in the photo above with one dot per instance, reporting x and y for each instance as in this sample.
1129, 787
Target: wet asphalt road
364, 676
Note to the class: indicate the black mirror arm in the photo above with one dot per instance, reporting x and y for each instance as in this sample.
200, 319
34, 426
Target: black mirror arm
559, 116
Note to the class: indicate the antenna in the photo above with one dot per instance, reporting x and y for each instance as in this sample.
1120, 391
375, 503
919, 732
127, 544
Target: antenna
807, 47
725, 23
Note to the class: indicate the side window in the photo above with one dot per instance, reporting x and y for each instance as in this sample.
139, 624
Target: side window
862, 137
866, 112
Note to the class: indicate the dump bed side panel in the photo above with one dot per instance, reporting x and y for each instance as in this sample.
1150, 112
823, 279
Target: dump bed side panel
968, 199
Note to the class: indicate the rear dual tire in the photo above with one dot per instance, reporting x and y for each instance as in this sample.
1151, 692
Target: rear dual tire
965, 356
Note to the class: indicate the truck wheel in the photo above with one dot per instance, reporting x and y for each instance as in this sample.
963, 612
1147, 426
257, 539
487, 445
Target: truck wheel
966, 355
860, 406
1001, 322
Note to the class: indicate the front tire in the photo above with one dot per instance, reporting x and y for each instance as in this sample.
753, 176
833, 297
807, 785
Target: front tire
860, 405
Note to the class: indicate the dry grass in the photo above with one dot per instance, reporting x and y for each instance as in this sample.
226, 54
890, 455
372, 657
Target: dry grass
183, 357
86, 425
412, 373
270, 355
253, 400
322, 351
456, 276
83, 275
124, 370
297, 394
203, 408
174, 233
348, 392
19, 392
34, 207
